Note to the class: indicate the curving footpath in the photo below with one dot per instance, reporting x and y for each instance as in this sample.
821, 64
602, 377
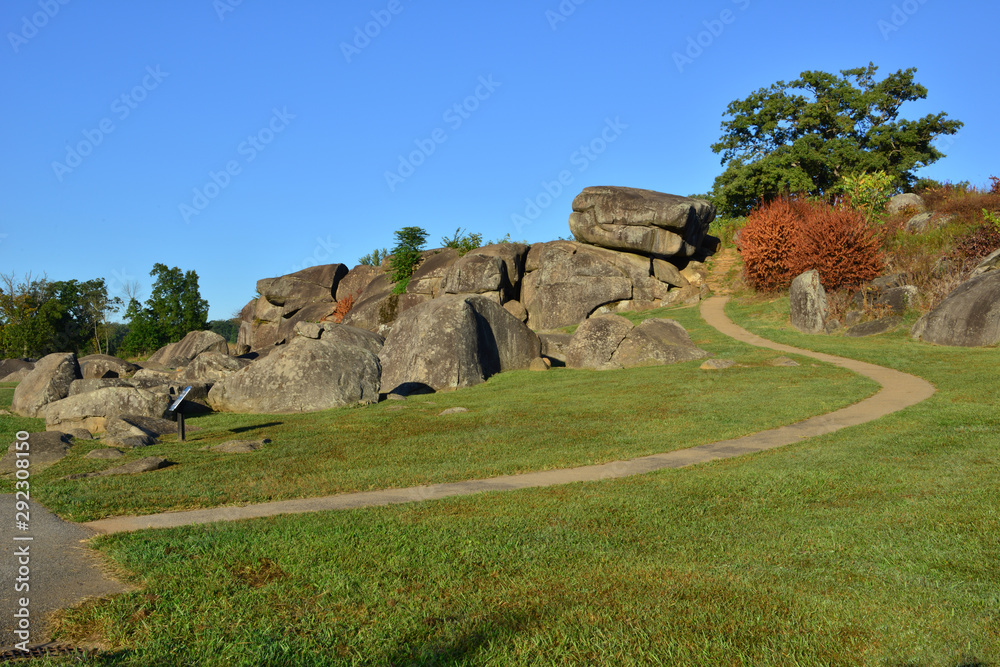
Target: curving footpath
899, 391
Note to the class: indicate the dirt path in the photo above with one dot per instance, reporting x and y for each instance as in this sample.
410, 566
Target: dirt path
899, 390
721, 265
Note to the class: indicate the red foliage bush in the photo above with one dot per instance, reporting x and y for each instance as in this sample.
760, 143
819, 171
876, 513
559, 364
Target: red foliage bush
766, 243
994, 185
838, 242
343, 307
982, 241
788, 236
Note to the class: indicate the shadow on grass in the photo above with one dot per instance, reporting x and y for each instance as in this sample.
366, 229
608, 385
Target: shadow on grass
244, 429
462, 644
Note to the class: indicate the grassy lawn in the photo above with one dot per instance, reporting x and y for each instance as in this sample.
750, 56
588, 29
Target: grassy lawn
516, 422
876, 545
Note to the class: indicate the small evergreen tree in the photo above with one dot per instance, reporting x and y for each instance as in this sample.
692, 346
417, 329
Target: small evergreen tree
406, 255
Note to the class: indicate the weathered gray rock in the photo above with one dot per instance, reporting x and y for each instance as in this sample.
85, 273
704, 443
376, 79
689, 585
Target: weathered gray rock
807, 301
909, 199
611, 341
452, 411
513, 256
80, 434
897, 298
890, 281
44, 449
968, 317
48, 382
717, 364
920, 223
567, 282
148, 464
875, 327
93, 409
148, 378
311, 285
16, 376
308, 330
656, 342
431, 272
154, 426
343, 334
477, 274
668, 273
990, 263
77, 387
95, 366
640, 221
210, 367
303, 376
356, 281
185, 350
236, 446
596, 340
517, 309
783, 362
378, 308
104, 454
554, 345
454, 341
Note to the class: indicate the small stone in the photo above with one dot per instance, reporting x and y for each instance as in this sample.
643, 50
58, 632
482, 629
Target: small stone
236, 446
395, 397
717, 364
852, 318
539, 364
309, 330
147, 464
104, 454
453, 411
783, 361
80, 434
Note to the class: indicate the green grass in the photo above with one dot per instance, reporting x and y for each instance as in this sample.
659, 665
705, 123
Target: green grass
518, 422
875, 545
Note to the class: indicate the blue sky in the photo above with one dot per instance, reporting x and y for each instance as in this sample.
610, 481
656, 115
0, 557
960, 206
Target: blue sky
250, 139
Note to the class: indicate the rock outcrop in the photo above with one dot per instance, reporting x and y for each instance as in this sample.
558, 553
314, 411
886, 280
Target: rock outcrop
47, 383
91, 411
968, 317
284, 301
454, 341
305, 375
610, 342
98, 366
640, 221
185, 350
807, 302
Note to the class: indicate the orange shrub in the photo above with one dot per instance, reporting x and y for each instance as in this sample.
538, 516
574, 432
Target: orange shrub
838, 242
766, 244
343, 307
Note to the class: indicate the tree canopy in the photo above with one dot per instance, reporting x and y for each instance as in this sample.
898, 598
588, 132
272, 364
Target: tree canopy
174, 309
806, 135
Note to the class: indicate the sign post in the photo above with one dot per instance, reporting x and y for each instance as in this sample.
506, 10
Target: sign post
175, 407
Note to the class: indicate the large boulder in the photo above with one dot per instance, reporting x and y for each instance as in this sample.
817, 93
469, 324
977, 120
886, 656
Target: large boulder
611, 341
378, 307
97, 366
479, 274
807, 301
45, 448
185, 350
640, 221
84, 386
968, 317
343, 334
454, 341
357, 280
48, 382
568, 281
305, 295
315, 284
11, 366
305, 375
432, 271
906, 200
92, 410
210, 367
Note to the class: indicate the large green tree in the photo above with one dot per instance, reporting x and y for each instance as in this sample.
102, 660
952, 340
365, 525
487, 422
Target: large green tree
174, 309
808, 134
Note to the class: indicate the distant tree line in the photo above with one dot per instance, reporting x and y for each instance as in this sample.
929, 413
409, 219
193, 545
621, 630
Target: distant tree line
39, 316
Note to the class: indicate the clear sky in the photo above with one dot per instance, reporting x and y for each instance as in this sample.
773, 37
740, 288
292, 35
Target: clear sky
249, 139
